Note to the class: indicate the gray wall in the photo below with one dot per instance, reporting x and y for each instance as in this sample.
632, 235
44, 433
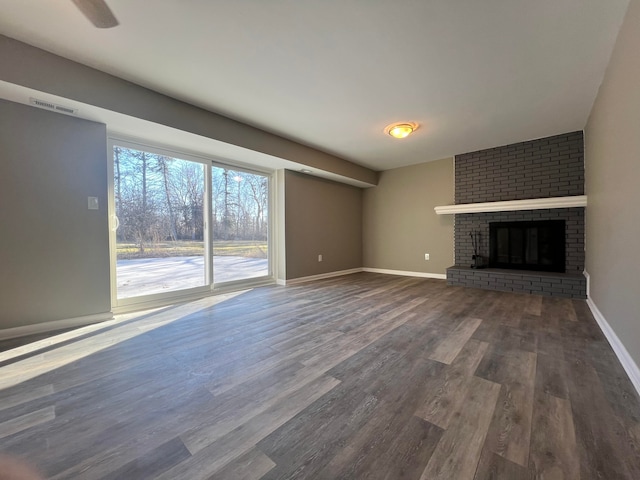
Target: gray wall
321, 217
54, 252
34, 68
399, 222
612, 158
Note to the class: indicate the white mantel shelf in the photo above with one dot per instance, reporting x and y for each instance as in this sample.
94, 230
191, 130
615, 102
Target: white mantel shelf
513, 205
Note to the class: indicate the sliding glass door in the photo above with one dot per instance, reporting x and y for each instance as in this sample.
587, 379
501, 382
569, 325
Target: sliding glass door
181, 225
160, 236
239, 218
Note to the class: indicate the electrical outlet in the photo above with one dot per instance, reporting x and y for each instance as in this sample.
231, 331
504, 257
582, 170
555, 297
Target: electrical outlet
320, 257
426, 256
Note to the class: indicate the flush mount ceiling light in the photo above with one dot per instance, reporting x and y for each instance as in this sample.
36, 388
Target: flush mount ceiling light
401, 130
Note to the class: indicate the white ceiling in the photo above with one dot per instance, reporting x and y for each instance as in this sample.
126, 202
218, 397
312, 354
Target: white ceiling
332, 74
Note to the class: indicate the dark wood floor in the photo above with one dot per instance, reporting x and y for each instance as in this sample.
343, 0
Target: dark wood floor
361, 377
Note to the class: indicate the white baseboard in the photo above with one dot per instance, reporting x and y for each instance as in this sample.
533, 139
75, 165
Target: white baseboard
295, 281
619, 349
588, 277
44, 327
439, 276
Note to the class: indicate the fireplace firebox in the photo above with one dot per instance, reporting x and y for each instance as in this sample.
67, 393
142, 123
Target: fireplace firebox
536, 245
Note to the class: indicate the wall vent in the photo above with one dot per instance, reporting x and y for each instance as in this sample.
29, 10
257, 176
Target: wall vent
52, 106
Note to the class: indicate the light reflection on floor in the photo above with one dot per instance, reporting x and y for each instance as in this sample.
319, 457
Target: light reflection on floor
126, 327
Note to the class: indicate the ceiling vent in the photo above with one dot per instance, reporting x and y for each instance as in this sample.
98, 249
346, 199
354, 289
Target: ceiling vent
52, 106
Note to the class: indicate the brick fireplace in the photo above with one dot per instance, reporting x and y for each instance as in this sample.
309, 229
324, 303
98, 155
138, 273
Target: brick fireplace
551, 167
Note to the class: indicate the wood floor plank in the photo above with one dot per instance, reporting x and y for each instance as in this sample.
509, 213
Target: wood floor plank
534, 305
219, 384
96, 456
450, 387
109, 447
384, 439
367, 362
217, 454
551, 375
418, 373
508, 309
623, 399
308, 342
25, 397
569, 310
553, 443
485, 305
152, 463
458, 451
88, 394
450, 347
408, 453
332, 429
253, 465
555, 309
538, 324
26, 421
386, 447
508, 338
495, 467
510, 430
324, 380
125, 407
331, 354
239, 405
598, 431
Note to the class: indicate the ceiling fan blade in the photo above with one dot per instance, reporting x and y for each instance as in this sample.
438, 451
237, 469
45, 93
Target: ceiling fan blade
98, 12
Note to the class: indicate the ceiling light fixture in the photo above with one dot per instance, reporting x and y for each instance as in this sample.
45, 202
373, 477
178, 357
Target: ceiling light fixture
401, 130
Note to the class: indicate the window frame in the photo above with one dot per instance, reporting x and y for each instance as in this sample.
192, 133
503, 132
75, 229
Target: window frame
211, 287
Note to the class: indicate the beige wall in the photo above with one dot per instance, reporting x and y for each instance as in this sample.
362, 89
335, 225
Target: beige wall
54, 252
612, 160
321, 217
399, 222
34, 68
